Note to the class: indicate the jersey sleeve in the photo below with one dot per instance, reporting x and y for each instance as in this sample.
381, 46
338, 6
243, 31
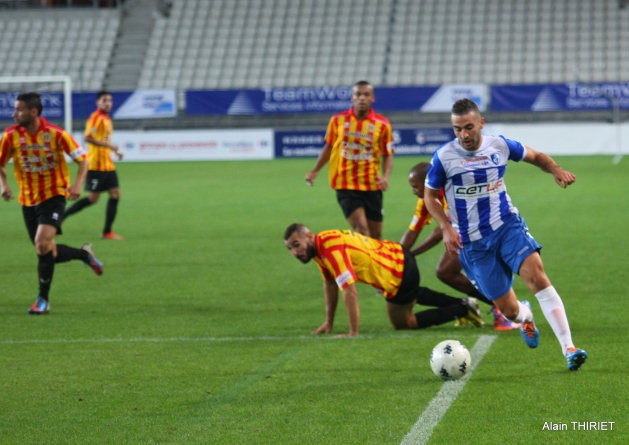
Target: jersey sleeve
421, 217
330, 134
5, 149
436, 176
517, 152
72, 147
337, 266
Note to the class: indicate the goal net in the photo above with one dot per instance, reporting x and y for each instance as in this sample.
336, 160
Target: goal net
56, 93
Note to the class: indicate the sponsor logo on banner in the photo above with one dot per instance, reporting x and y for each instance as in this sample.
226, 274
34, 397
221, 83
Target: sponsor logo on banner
196, 145
146, 104
443, 99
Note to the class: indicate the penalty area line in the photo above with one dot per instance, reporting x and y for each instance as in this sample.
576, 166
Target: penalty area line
438, 406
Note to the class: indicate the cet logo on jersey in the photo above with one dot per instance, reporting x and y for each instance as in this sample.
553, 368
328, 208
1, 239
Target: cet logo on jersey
479, 161
479, 190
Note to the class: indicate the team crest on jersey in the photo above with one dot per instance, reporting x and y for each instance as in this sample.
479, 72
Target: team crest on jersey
478, 161
46, 137
495, 158
371, 128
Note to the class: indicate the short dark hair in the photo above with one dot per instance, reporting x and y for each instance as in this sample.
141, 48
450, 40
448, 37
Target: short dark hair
294, 227
463, 106
420, 170
362, 83
102, 93
32, 100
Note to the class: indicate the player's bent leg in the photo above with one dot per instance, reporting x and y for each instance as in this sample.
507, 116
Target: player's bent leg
114, 193
93, 197
520, 312
45, 246
375, 229
358, 221
401, 315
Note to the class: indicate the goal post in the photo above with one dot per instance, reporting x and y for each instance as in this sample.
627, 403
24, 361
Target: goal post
67, 91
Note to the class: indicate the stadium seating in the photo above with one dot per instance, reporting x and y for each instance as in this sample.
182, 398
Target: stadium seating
255, 43
208, 44
74, 42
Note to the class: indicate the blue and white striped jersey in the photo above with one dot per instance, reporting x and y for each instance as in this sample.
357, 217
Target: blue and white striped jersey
474, 185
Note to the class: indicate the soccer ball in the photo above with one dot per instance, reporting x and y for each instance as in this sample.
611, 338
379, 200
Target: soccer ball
450, 360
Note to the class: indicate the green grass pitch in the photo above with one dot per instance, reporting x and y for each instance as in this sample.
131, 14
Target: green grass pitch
199, 330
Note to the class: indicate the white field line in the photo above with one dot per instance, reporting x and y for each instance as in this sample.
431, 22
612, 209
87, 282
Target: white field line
436, 409
216, 339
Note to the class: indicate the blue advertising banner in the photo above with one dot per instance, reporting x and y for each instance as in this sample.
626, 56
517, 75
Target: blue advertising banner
407, 141
141, 104
328, 99
559, 97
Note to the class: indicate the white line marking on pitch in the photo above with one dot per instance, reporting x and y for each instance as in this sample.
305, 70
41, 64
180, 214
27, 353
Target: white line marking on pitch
432, 415
210, 339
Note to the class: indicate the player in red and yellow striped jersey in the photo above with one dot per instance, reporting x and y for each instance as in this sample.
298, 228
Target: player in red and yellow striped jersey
345, 258
37, 149
356, 141
449, 267
102, 174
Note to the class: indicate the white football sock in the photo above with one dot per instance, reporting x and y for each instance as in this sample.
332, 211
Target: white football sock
554, 311
524, 315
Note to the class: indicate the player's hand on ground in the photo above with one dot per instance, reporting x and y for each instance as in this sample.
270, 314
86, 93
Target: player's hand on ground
7, 194
74, 192
310, 178
349, 334
325, 328
564, 178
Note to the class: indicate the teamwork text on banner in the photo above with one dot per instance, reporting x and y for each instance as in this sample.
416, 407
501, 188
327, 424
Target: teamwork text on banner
407, 141
329, 99
559, 96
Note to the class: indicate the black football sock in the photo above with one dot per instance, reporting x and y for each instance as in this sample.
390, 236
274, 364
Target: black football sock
77, 206
67, 253
45, 270
110, 215
433, 317
429, 297
480, 297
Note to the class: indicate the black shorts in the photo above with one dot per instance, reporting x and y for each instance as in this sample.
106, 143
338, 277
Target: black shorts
101, 181
49, 212
350, 200
409, 287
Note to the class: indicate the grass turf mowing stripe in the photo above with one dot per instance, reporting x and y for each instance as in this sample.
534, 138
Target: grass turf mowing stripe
432, 415
216, 339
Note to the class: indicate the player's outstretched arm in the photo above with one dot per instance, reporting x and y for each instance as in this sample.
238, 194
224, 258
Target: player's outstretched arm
350, 298
323, 158
331, 294
563, 178
75, 189
431, 241
6, 191
451, 238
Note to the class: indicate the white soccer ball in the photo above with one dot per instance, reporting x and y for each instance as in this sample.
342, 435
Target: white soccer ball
450, 360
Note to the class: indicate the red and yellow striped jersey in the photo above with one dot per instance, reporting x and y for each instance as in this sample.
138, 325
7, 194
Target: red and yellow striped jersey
356, 149
100, 127
347, 257
39, 164
421, 217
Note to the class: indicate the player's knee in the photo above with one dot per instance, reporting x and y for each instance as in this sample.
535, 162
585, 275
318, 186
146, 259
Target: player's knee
359, 228
444, 275
114, 194
42, 247
93, 197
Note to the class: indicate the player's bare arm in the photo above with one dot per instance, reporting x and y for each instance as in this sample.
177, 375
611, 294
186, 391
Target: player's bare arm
104, 144
323, 158
331, 294
451, 238
545, 163
75, 189
6, 191
350, 298
387, 168
431, 241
